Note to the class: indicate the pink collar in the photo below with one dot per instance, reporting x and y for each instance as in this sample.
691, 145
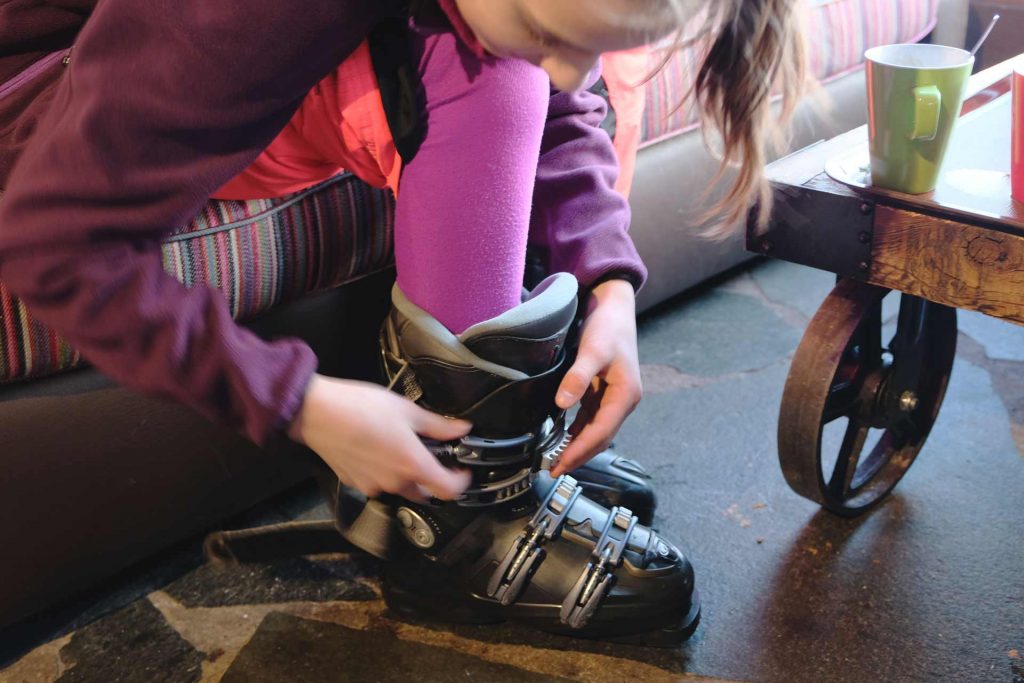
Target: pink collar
462, 29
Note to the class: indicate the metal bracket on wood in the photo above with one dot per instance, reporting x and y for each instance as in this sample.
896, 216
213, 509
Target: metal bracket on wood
813, 228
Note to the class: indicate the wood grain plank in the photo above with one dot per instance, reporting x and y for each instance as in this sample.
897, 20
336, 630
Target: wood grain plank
948, 262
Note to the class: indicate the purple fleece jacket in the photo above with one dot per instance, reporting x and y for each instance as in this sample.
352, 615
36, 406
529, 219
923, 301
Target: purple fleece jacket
162, 103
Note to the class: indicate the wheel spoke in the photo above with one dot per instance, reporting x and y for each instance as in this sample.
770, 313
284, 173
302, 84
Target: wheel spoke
862, 356
841, 402
869, 466
849, 456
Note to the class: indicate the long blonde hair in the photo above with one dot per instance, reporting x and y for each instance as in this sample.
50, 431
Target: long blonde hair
757, 47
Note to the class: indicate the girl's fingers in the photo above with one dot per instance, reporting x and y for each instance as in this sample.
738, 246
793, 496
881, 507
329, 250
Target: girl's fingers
433, 478
435, 426
441, 482
576, 381
596, 424
415, 493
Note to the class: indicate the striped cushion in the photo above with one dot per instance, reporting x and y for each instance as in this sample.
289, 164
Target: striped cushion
839, 32
258, 253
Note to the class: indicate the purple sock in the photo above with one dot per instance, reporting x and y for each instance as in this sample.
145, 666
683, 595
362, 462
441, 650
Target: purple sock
463, 212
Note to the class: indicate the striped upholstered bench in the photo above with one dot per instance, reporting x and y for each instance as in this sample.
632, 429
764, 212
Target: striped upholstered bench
259, 254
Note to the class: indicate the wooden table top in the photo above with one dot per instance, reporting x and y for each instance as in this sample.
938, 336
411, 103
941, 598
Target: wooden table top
961, 245
974, 187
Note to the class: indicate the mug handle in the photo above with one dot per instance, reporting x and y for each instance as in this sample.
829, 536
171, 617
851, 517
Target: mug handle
927, 103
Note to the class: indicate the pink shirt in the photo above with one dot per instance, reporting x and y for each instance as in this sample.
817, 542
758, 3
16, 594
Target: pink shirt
340, 126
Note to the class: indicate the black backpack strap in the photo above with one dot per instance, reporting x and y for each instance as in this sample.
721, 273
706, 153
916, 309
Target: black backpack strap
401, 89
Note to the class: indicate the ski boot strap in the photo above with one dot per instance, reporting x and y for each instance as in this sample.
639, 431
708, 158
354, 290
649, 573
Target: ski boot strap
598, 576
527, 552
529, 452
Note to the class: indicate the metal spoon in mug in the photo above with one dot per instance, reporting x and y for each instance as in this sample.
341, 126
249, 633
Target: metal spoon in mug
984, 36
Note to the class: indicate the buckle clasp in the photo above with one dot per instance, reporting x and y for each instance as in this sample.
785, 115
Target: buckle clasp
527, 551
598, 577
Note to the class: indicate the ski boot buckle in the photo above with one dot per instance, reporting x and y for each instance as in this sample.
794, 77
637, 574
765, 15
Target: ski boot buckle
598, 577
527, 551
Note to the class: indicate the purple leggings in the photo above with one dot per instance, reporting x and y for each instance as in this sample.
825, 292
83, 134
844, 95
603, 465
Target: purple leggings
463, 214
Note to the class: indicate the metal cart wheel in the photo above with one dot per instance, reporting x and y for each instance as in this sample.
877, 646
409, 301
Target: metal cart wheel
842, 370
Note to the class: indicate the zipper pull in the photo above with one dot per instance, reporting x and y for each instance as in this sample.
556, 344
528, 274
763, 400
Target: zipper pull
67, 56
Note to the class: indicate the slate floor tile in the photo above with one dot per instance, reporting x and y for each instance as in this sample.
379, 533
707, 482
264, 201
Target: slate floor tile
134, 645
288, 648
296, 580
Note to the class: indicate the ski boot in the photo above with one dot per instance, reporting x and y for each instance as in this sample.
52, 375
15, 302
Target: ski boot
517, 545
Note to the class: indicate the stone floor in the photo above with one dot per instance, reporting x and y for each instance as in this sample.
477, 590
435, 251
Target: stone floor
927, 587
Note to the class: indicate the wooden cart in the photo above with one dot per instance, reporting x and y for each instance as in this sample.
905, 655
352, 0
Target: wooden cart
961, 246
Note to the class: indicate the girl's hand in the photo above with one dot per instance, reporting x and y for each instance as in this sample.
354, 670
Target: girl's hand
606, 375
369, 437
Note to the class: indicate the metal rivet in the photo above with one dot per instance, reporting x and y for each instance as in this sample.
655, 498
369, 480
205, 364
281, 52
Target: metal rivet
866, 208
767, 246
864, 237
863, 265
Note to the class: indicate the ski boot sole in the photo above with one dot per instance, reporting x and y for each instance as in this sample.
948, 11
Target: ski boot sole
414, 606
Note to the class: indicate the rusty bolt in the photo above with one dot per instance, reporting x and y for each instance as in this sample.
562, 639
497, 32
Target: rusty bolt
908, 401
866, 208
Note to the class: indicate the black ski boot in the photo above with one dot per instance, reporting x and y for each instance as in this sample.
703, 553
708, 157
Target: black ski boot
517, 545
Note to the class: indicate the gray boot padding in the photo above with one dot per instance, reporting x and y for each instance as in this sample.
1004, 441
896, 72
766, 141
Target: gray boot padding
545, 311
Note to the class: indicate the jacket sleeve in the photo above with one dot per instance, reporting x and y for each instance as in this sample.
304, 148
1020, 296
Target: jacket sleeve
162, 103
579, 222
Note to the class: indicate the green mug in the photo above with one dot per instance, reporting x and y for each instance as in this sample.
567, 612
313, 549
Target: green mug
915, 92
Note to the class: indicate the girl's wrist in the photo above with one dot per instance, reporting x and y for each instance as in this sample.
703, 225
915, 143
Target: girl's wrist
620, 291
615, 287
301, 419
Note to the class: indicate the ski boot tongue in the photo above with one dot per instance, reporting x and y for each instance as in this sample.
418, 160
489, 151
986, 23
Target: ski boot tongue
529, 337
